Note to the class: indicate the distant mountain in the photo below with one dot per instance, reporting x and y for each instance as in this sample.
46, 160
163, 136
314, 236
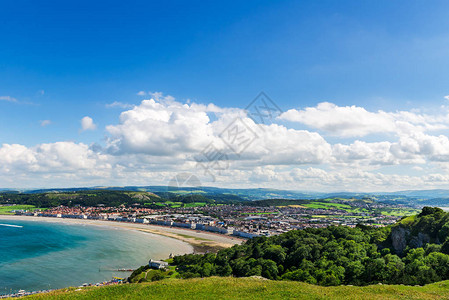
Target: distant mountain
436, 197
423, 194
245, 194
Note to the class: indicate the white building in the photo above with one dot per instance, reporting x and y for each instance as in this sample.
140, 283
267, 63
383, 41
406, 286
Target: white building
157, 264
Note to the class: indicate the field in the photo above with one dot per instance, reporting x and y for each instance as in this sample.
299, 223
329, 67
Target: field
5, 210
387, 211
247, 288
178, 204
327, 205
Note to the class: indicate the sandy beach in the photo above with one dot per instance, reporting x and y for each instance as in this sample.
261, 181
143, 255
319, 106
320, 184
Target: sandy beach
200, 241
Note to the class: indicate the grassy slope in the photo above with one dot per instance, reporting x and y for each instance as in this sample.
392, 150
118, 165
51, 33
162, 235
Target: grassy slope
5, 210
248, 288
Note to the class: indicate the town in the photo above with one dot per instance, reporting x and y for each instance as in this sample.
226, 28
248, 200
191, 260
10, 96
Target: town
245, 221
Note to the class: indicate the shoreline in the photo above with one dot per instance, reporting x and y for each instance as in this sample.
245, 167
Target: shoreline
200, 241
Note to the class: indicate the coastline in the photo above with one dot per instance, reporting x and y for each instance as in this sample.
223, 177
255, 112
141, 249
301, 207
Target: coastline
199, 241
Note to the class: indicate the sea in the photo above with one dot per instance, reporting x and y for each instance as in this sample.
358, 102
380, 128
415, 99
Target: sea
41, 255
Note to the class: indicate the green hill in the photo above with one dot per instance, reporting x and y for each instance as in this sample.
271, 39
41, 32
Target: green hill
247, 288
431, 226
414, 251
336, 262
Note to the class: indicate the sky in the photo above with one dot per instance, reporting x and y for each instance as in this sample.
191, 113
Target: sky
116, 93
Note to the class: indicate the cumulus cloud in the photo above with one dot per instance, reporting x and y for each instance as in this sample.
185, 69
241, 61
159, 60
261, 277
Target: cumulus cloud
156, 139
183, 130
159, 129
355, 121
88, 124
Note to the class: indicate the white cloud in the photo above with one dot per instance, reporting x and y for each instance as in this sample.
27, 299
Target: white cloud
354, 121
8, 98
183, 130
45, 123
88, 124
160, 129
48, 164
152, 141
159, 96
141, 93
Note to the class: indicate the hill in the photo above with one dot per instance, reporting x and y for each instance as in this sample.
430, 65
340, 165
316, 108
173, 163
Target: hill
314, 263
247, 288
431, 226
435, 197
338, 255
110, 198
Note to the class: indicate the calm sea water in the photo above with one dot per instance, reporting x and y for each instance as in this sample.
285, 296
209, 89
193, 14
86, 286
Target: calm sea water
37, 255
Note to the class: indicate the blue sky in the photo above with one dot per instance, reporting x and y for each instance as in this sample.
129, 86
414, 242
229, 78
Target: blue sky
63, 61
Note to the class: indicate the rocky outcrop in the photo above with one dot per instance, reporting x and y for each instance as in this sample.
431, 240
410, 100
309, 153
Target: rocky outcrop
419, 241
399, 238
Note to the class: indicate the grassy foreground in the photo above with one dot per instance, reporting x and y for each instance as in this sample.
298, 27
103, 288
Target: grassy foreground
248, 288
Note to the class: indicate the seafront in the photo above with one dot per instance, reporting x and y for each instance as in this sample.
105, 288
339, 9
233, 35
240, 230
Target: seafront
176, 240
201, 241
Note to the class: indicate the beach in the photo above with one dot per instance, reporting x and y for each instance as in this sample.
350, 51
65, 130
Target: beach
200, 241
41, 253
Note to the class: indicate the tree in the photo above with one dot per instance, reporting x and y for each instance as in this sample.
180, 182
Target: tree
269, 268
207, 270
394, 268
354, 271
276, 253
430, 211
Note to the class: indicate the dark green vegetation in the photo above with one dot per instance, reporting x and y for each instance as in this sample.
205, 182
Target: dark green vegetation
338, 255
247, 288
112, 199
430, 228
84, 198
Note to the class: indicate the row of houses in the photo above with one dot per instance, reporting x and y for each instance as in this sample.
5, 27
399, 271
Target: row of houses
116, 218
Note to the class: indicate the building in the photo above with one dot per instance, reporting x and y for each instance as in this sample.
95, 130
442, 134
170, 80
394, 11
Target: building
157, 264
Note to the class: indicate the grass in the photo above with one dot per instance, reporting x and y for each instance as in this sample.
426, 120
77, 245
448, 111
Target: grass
247, 288
327, 205
323, 204
6, 210
398, 212
192, 237
195, 204
408, 220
